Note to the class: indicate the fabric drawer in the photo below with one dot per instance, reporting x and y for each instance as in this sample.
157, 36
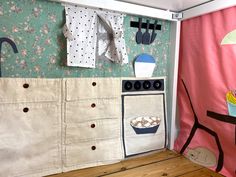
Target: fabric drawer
30, 138
92, 153
14, 90
87, 88
87, 110
92, 130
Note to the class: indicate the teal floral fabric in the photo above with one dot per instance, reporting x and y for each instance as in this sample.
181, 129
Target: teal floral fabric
36, 28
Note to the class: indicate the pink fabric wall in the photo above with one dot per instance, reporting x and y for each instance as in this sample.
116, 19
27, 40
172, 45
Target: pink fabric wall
208, 70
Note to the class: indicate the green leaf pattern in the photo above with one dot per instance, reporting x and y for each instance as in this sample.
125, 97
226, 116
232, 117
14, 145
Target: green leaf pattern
36, 28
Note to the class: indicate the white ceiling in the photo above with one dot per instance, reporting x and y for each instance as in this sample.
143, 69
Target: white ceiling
172, 5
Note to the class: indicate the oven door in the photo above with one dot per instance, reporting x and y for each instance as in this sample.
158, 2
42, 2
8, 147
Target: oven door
144, 124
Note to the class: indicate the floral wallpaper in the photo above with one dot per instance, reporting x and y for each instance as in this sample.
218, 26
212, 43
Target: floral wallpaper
36, 28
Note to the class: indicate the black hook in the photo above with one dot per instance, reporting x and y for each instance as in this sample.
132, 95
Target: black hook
9, 41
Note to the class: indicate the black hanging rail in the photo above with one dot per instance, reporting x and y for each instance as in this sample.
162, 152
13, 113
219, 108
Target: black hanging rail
135, 24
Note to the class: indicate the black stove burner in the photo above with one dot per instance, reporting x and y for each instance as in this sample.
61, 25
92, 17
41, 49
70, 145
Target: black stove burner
146, 85
157, 84
143, 85
128, 85
137, 85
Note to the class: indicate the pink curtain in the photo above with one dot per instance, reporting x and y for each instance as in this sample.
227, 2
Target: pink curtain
207, 71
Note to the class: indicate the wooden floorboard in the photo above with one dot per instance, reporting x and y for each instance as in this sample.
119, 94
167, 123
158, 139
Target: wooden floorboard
166, 163
204, 172
171, 167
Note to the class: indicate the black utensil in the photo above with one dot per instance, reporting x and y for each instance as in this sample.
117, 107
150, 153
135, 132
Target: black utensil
139, 32
146, 35
153, 32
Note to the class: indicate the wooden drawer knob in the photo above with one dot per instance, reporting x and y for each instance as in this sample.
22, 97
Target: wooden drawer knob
92, 125
94, 84
25, 110
26, 85
93, 148
93, 105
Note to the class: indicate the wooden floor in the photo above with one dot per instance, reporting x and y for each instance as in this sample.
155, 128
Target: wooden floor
166, 163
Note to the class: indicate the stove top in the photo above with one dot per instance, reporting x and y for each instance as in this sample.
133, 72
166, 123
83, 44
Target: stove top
142, 85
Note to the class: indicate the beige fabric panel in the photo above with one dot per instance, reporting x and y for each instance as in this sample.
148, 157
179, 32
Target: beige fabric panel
90, 101
14, 90
45, 125
143, 105
30, 141
140, 144
106, 151
92, 109
97, 129
87, 88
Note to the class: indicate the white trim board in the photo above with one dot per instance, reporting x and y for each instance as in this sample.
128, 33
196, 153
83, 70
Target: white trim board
123, 7
172, 118
142, 10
